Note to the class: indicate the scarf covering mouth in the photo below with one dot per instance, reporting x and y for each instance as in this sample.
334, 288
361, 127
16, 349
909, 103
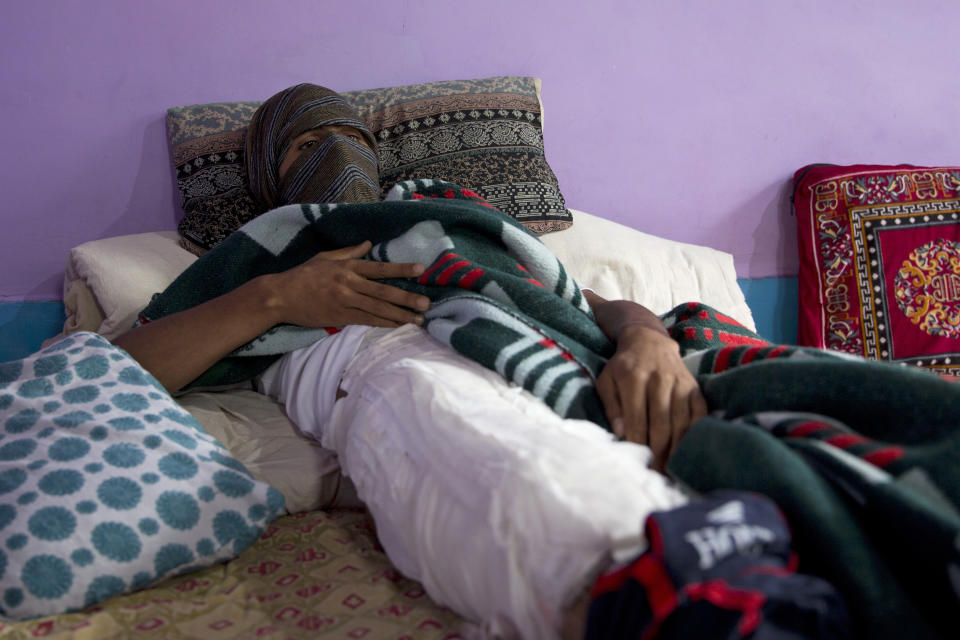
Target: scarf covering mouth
338, 170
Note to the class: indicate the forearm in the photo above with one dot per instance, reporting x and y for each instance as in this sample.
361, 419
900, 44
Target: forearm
333, 288
177, 348
620, 319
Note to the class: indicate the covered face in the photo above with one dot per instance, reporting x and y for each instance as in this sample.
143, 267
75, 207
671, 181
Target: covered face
306, 144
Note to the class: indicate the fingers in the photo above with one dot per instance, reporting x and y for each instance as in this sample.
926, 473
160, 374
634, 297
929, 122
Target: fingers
660, 425
382, 270
623, 394
688, 406
391, 295
654, 410
345, 253
378, 312
371, 268
362, 299
610, 399
335, 288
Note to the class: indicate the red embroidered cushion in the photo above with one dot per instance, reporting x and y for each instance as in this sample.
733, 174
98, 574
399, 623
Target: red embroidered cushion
880, 262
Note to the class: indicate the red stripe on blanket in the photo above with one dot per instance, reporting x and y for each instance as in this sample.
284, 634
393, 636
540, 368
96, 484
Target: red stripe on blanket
727, 319
883, 457
547, 342
733, 338
444, 277
690, 333
722, 361
331, 330
534, 282
845, 440
708, 333
436, 265
471, 277
749, 355
804, 429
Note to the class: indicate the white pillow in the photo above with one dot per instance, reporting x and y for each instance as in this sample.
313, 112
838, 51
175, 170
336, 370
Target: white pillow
620, 263
256, 431
107, 282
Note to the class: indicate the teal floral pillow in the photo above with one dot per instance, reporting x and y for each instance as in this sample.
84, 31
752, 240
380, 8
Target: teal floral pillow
106, 484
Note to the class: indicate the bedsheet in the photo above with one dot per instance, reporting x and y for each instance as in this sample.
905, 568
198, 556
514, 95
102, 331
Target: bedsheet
316, 574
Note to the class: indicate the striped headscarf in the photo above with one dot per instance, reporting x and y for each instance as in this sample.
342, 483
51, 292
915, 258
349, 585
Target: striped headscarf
336, 170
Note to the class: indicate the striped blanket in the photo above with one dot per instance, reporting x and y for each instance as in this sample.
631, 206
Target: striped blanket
498, 295
863, 459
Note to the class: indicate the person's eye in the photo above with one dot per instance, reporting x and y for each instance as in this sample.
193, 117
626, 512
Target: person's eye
355, 136
307, 144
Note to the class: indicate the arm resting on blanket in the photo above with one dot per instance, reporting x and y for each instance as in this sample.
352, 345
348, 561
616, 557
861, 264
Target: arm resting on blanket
647, 392
333, 288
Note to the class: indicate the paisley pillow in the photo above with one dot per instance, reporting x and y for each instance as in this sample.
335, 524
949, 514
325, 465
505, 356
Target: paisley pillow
484, 134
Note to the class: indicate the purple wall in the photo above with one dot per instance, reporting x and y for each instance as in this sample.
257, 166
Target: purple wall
684, 119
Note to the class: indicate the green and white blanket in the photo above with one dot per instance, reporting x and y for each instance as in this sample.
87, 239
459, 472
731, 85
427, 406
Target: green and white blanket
863, 458
499, 296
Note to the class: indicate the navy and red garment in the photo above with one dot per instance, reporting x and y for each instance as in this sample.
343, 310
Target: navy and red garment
721, 567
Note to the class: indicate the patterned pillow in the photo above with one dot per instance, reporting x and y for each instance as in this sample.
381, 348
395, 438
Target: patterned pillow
880, 262
485, 135
207, 145
106, 485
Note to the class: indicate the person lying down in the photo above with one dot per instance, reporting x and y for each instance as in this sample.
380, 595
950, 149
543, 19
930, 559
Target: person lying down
505, 427
502, 508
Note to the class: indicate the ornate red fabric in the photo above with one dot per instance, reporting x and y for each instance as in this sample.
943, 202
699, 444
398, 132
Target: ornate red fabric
880, 262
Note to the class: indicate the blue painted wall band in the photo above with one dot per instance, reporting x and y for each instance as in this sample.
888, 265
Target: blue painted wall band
773, 302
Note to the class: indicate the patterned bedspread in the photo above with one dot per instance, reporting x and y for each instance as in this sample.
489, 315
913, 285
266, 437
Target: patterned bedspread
316, 574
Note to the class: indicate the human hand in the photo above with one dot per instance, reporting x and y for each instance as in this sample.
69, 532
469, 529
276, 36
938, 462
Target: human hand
648, 394
335, 288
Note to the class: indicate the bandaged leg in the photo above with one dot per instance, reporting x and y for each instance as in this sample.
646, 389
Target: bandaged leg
504, 511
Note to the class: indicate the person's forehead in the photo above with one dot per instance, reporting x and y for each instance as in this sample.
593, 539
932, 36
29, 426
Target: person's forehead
334, 127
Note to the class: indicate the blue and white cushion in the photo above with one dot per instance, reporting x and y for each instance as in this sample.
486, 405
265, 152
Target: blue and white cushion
106, 484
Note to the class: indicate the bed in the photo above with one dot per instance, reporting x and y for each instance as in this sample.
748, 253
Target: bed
309, 564
319, 569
